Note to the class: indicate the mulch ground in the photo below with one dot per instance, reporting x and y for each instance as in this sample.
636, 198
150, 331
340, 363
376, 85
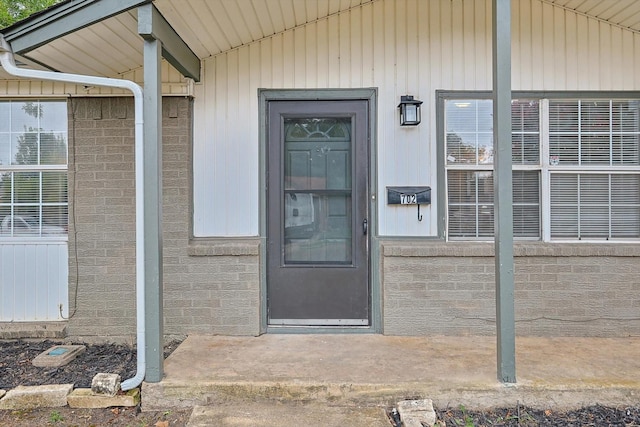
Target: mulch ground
16, 369
596, 416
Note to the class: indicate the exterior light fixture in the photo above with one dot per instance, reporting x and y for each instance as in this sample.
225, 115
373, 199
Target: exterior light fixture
409, 111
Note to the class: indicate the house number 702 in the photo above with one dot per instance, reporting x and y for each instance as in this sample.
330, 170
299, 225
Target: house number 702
408, 199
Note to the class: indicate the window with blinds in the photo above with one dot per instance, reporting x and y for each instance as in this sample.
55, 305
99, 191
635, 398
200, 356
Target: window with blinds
587, 188
469, 163
594, 177
602, 206
33, 169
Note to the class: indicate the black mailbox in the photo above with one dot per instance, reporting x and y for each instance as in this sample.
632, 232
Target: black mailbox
408, 195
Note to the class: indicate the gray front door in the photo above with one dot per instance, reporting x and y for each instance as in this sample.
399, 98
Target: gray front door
317, 216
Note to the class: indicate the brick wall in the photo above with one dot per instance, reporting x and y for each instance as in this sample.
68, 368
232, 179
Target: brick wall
433, 288
211, 287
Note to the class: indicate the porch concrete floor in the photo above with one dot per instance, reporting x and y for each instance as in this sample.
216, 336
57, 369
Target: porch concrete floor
375, 371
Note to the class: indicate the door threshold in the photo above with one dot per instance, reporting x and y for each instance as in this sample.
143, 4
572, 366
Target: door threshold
306, 329
319, 322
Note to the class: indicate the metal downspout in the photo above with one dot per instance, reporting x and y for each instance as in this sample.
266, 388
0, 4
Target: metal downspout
8, 63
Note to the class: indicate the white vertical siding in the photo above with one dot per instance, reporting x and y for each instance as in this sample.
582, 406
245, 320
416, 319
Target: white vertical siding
33, 281
557, 49
401, 47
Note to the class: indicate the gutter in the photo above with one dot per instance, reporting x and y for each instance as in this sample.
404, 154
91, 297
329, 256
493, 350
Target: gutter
8, 64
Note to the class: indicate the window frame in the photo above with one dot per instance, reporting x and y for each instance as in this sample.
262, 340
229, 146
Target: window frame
40, 169
546, 170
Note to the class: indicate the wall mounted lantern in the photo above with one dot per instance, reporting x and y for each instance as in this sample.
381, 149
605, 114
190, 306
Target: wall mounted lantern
409, 110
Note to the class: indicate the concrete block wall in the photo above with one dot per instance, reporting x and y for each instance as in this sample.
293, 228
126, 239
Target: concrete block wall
209, 287
438, 288
101, 218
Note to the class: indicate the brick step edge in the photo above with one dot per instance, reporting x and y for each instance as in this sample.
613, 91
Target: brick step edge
60, 395
84, 398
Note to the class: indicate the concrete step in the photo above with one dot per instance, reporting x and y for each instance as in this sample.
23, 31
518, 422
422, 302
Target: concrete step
379, 371
159, 396
287, 415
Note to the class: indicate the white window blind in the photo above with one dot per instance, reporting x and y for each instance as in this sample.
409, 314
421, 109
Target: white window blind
590, 181
469, 148
471, 209
599, 206
525, 135
594, 179
593, 132
470, 203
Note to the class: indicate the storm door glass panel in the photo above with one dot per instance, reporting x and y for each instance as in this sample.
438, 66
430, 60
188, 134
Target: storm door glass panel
317, 191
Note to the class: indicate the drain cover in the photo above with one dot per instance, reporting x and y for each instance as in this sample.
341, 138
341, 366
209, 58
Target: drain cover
58, 355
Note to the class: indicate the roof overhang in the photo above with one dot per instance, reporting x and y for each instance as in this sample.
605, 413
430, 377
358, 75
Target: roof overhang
73, 16
65, 18
105, 37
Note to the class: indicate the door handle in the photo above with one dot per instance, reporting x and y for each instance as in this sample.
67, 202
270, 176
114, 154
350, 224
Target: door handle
365, 226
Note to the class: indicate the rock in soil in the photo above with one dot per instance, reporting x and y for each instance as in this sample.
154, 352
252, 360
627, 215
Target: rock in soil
16, 369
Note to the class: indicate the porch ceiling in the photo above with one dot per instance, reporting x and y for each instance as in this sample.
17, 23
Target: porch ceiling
213, 26
113, 47
624, 13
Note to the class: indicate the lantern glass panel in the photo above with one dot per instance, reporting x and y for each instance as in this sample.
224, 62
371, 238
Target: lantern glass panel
411, 113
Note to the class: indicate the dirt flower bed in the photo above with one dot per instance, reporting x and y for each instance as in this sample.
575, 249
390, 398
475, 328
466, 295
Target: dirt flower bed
596, 416
16, 369
116, 417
